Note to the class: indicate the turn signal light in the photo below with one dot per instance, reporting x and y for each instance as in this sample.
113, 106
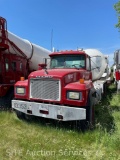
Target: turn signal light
22, 78
81, 81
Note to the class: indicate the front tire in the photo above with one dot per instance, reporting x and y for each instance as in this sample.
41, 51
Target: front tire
20, 115
90, 114
90, 117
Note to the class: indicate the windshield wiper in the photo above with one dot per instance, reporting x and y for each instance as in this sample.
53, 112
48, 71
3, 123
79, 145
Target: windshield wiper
75, 66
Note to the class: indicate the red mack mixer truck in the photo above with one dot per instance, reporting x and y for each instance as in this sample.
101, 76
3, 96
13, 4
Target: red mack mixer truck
67, 91
18, 57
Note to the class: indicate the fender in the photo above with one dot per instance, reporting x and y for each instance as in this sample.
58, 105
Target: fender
78, 87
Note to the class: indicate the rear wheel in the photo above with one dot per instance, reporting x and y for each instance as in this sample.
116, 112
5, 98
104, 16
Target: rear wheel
5, 101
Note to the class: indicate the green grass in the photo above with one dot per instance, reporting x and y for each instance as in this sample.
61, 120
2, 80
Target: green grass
36, 140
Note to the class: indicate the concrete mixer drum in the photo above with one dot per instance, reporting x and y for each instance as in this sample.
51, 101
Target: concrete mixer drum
98, 63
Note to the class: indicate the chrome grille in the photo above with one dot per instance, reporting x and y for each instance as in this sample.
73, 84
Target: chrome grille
44, 88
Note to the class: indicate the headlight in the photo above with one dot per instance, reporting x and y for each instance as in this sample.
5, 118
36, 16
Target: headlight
20, 90
74, 95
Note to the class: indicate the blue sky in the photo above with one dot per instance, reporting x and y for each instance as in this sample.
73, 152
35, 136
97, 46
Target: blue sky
75, 23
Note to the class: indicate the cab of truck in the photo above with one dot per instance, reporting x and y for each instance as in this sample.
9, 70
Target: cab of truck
70, 59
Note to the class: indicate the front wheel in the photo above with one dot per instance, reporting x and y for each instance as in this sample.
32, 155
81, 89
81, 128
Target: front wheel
90, 117
20, 115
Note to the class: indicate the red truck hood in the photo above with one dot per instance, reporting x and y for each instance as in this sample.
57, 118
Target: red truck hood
57, 73
70, 75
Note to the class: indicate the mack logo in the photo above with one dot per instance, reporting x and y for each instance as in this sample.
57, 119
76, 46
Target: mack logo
44, 76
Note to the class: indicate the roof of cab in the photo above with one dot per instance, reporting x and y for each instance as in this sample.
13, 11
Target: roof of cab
67, 52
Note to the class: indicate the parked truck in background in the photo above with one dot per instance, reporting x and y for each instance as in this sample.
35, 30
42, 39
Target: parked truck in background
67, 91
116, 69
18, 57
107, 73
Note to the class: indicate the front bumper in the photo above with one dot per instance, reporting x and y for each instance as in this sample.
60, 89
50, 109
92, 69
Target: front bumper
57, 112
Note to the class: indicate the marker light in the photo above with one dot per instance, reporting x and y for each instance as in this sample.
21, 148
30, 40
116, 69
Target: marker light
82, 81
22, 78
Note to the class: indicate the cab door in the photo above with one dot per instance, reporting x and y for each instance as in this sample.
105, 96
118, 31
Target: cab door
13, 69
9, 74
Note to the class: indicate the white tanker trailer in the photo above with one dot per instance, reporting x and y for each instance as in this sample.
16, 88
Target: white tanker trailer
18, 57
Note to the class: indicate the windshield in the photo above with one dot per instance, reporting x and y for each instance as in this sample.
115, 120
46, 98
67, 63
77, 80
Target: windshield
68, 61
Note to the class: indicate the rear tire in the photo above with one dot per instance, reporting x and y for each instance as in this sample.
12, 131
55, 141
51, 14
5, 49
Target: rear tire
5, 101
